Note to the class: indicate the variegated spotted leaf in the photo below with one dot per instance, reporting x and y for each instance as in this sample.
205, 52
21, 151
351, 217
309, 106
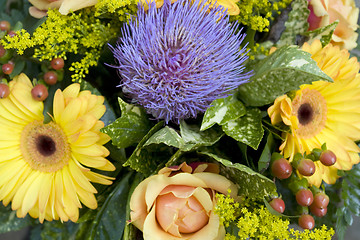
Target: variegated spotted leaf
148, 159
284, 70
194, 138
167, 136
221, 111
130, 128
251, 184
247, 129
296, 23
324, 33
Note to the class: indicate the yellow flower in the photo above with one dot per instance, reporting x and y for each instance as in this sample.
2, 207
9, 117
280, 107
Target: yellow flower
324, 12
333, 61
44, 168
178, 203
40, 7
230, 5
325, 113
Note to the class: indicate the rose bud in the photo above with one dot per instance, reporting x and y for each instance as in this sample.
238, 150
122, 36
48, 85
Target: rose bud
306, 221
281, 168
319, 212
304, 197
306, 167
178, 203
321, 200
278, 205
328, 158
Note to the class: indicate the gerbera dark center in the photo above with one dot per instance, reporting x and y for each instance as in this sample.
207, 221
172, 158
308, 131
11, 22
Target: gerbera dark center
45, 145
305, 114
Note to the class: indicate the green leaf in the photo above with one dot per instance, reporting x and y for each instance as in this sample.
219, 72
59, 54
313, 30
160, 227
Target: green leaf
130, 230
57, 230
296, 23
265, 157
9, 221
247, 129
284, 70
111, 218
194, 138
147, 159
324, 33
167, 136
19, 66
221, 111
341, 224
251, 184
130, 128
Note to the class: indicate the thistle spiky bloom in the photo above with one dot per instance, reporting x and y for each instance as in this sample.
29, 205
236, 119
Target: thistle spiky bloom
45, 167
175, 60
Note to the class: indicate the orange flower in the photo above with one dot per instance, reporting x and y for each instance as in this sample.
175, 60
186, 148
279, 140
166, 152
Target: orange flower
178, 203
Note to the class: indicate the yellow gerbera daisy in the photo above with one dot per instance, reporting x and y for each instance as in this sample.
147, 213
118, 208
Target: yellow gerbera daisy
324, 113
43, 167
333, 61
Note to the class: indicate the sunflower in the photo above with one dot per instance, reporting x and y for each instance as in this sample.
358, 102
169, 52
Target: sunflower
324, 112
44, 167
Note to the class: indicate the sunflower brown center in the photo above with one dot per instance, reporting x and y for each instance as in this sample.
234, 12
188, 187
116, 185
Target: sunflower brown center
44, 146
310, 109
305, 114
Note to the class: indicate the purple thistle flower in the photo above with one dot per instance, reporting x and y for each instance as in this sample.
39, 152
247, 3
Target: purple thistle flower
175, 60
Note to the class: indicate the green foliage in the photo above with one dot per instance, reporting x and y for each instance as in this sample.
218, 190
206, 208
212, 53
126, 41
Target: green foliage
9, 221
296, 23
221, 111
110, 220
147, 159
251, 184
324, 33
246, 129
130, 128
284, 70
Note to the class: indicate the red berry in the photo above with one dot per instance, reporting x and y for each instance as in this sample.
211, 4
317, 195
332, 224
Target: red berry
57, 63
328, 158
278, 205
321, 200
306, 167
12, 33
4, 26
2, 51
4, 90
281, 168
306, 221
39, 92
304, 197
50, 77
319, 212
7, 68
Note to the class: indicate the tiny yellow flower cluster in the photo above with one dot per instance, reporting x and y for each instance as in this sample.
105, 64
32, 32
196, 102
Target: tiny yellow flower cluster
123, 9
225, 208
256, 13
79, 33
258, 50
254, 221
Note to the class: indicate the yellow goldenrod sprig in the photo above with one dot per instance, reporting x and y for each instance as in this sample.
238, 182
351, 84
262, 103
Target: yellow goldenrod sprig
254, 221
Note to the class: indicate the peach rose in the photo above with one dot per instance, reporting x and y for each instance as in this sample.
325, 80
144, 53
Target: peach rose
325, 12
40, 7
178, 203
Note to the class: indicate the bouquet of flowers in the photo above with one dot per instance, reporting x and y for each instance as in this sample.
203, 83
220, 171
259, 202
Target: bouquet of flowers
166, 120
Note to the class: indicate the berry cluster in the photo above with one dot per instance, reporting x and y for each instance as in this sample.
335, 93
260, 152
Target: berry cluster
307, 197
52, 74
